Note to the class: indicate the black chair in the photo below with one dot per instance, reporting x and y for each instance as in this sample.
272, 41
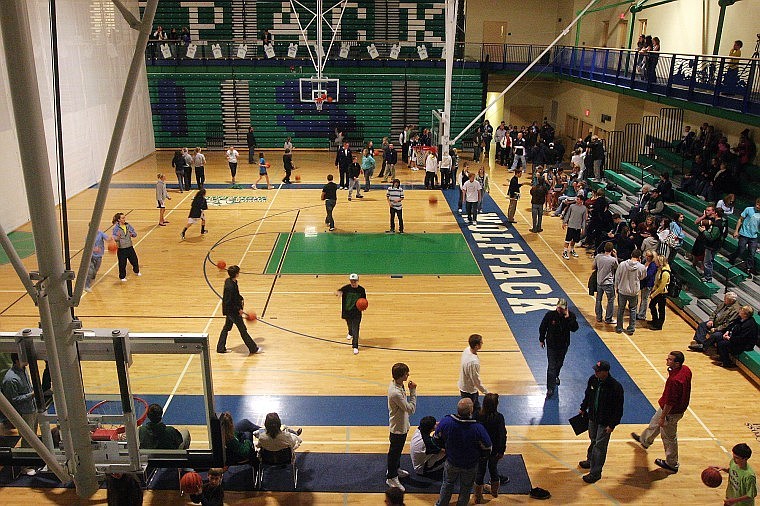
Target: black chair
281, 459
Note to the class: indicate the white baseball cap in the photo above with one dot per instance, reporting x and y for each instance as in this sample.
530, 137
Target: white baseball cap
353, 276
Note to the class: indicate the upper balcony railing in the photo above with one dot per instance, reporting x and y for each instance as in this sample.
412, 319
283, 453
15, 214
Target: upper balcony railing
717, 81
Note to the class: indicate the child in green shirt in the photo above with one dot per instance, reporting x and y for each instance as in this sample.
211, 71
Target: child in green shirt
742, 483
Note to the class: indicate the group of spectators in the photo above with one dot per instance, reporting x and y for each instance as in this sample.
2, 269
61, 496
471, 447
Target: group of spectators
647, 56
515, 146
181, 34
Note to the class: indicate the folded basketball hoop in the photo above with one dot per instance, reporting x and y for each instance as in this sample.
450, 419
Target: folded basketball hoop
108, 429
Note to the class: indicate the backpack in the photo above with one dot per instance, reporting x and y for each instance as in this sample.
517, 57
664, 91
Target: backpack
674, 287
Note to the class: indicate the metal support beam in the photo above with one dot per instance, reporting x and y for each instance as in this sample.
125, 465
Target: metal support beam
721, 20
527, 69
17, 264
135, 68
30, 131
452, 8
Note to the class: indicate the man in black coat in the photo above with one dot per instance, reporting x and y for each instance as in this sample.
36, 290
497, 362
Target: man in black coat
740, 336
252, 145
232, 308
554, 335
603, 404
342, 161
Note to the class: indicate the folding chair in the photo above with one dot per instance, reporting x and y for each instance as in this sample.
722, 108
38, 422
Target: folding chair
280, 459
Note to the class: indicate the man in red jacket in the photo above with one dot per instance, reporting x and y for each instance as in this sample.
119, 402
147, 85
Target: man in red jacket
673, 404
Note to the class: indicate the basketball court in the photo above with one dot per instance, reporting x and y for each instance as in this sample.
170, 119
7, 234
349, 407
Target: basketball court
427, 289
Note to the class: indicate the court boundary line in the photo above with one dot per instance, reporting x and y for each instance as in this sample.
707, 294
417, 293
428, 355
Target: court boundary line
279, 264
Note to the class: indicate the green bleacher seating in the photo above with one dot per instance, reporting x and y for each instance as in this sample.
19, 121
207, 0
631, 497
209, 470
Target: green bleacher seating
651, 177
751, 360
688, 275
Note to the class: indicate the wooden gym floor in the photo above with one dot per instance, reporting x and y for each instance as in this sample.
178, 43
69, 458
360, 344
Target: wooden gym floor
416, 312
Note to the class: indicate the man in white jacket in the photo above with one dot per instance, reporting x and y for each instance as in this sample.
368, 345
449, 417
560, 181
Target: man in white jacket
627, 285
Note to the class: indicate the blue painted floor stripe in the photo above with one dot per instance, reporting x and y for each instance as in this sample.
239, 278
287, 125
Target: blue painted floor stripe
525, 290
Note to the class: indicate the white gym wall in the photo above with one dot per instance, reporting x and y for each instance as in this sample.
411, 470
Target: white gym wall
95, 46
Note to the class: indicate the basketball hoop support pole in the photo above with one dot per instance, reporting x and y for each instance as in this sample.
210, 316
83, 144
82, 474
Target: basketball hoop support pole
527, 69
451, 31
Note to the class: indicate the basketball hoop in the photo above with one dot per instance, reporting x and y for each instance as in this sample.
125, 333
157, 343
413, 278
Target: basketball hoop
106, 430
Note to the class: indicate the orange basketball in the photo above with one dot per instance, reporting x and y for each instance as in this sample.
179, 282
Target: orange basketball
362, 304
191, 483
221, 264
267, 165
298, 178
329, 99
378, 152
712, 477
250, 316
112, 247
433, 199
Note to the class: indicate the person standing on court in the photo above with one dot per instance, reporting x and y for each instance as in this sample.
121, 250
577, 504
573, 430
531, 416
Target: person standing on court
606, 265
399, 408
232, 161
123, 233
628, 278
603, 404
232, 308
250, 138
199, 161
349, 294
390, 159
178, 162
187, 169
514, 195
330, 196
343, 161
574, 220
197, 212
395, 196
469, 373
287, 164
472, 192
466, 441
554, 335
354, 172
672, 405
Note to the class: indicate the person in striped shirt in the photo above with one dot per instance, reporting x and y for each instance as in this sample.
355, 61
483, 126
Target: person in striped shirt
395, 196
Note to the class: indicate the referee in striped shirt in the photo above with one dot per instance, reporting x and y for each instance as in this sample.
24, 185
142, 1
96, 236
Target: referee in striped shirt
395, 196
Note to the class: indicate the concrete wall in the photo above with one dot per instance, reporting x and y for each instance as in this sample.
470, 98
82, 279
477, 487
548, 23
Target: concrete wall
95, 48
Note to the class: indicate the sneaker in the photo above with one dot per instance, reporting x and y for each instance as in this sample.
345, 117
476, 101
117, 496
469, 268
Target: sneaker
257, 351
332, 228
692, 347
139, 274
221, 350
87, 289
123, 280
356, 351
348, 337
665, 465
589, 478
630, 332
402, 473
575, 255
360, 196
565, 255
182, 235
390, 231
204, 232
299, 431
29, 471
393, 482
619, 331
637, 438
584, 464
610, 322
400, 231
162, 224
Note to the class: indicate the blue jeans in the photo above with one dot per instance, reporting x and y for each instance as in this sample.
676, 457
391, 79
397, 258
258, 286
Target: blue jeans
708, 263
608, 290
745, 243
597, 450
632, 302
452, 475
644, 303
705, 337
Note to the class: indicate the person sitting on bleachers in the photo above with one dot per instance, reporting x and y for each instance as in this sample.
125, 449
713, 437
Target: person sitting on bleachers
636, 214
709, 332
727, 204
274, 437
427, 457
655, 206
692, 181
156, 435
665, 187
740, 336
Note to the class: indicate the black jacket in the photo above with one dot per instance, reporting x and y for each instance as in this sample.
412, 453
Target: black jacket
354, 170
497, 431
610, 406
514, 188
555, 329
250, 140
198, 205
343, 159
743, 335
232, 301
391, 156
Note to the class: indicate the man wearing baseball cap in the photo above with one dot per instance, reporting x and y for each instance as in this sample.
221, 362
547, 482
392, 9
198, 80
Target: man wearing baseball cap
603, 404
350, 293
554, 335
